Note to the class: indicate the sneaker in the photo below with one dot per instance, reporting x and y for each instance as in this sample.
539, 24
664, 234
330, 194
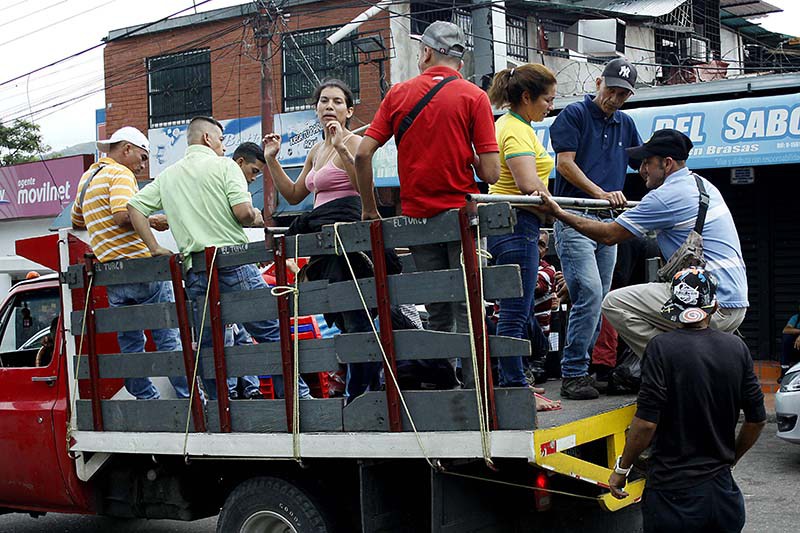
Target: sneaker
257, 395
579, 388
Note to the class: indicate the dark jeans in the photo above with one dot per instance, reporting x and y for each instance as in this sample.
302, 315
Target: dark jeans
361, 377
518, 248
716, 505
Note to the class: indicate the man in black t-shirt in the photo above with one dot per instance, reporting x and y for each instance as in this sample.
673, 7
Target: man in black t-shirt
695, 380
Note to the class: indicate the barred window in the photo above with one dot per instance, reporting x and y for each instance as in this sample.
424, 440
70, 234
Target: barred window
179, 87
517, 38
307, 53
423, 13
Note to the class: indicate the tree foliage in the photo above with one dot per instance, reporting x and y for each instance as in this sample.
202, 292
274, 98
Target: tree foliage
20, 142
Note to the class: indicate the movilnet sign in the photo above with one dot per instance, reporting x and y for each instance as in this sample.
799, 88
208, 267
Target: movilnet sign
41, 188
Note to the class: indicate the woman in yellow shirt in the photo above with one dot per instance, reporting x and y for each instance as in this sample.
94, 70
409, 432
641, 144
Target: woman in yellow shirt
528, 92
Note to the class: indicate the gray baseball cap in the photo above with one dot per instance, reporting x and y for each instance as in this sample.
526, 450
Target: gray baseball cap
444, 37
620, 73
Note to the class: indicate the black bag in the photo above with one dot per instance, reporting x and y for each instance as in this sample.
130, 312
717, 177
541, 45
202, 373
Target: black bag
626, 378
409, 119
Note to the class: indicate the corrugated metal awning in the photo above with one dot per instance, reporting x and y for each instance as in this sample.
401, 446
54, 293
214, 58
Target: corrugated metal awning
633, 8
747, 8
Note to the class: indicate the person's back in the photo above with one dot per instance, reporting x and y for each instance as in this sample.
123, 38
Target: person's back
704, 379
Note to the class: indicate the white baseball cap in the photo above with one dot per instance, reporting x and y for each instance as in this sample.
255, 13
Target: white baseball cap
127, 134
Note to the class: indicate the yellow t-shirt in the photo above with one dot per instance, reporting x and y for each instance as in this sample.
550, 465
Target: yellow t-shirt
515, 137
108, 193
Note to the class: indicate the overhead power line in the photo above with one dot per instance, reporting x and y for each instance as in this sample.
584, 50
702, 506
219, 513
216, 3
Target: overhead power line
26, 15
103, 43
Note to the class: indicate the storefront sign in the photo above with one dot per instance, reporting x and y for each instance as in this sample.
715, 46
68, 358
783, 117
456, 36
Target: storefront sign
732, 133
40, 189
168, 144
300, 131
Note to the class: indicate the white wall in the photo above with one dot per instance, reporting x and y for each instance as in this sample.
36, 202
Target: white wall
403, 65
732, 52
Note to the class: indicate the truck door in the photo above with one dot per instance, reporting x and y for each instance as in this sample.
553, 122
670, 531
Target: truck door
30, 476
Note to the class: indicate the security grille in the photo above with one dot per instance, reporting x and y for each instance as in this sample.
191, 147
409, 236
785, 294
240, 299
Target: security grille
517, 38
179, 87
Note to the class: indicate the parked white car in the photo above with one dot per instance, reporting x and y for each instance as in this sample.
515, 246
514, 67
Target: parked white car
787, 405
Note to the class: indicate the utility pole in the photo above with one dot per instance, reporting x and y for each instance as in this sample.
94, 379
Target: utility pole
264, 41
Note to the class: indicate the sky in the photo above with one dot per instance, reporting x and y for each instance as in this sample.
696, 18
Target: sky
34, 33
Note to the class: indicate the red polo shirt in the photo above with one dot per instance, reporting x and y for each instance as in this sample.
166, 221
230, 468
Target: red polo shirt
435, 157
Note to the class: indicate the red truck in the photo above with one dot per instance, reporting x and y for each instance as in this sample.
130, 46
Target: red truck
71, 441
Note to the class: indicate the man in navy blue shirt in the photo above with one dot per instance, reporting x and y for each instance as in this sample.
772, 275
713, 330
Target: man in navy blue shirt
590, 138
670, 209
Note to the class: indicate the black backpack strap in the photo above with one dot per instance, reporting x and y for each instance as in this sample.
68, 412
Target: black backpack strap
409, 119
702, 210
86, 186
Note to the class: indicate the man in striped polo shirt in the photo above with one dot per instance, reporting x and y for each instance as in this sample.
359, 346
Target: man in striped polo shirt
101, 208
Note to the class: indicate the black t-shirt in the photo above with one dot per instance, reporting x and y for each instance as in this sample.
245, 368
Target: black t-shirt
694, 383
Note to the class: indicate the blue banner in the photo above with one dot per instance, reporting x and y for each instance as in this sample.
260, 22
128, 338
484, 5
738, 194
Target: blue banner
732, 133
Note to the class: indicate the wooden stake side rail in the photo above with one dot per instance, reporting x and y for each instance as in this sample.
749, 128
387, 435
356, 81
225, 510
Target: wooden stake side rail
441, 410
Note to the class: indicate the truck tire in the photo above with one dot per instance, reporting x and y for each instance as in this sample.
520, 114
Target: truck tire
271, 505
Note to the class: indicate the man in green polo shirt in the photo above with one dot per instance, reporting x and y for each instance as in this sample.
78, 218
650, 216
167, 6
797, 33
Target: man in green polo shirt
206, 200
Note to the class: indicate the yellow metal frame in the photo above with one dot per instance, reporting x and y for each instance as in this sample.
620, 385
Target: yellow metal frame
550, 445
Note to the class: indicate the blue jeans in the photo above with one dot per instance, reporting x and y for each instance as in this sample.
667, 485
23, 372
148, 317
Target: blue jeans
518, 248
249, 384
587, 266
166, 340
361, 377
234, 279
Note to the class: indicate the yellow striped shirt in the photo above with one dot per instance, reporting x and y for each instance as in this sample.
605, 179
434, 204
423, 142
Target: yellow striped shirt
108, 193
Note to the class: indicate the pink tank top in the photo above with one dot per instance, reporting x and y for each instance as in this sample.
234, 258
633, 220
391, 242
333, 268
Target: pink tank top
329, 183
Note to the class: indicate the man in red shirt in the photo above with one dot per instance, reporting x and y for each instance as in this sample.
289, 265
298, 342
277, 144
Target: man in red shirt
448, 142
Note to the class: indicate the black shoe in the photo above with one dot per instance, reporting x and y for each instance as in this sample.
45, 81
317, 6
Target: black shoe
579, 388
256, 396
601, 383
233, 395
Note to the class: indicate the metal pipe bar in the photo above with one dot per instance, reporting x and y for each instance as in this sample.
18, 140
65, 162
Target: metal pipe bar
218, 343
176, 271
284, 327
277, 229
385, 318
475, 303
91, 342
563, 201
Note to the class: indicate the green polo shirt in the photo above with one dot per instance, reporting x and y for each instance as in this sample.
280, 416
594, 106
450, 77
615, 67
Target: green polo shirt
197, 194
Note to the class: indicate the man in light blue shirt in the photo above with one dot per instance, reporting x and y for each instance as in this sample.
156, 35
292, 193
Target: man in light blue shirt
670, 209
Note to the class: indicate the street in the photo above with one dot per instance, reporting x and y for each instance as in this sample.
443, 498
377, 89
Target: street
768, 477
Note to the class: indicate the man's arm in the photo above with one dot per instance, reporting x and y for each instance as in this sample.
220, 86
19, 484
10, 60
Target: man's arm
487, 167
748, 435
639, 437
568, 168
791, 327
607, 233
141, 225
364, 179
247, 215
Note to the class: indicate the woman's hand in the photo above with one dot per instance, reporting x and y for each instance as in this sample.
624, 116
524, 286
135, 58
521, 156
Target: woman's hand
272, 145
335, 132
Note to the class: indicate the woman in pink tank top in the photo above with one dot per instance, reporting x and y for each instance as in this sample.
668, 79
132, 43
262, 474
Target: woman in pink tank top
329, 171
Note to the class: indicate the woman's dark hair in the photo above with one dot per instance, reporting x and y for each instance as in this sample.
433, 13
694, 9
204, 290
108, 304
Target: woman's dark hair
509, 84
338, 84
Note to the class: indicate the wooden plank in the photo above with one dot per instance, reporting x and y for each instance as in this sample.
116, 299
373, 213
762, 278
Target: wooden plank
495, 219
235, 255
137, 415
445, 410
316, 355
422, 344
269, 416
123, 271
134, 365
418, 287
131, 318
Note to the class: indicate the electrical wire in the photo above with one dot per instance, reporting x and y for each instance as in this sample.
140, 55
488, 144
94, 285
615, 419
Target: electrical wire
26, 15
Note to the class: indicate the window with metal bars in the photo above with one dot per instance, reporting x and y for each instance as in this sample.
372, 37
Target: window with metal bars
423, 13
179, 87
305, 54
517, 38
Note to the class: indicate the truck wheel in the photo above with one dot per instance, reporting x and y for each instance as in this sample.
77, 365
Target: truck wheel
271, 505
